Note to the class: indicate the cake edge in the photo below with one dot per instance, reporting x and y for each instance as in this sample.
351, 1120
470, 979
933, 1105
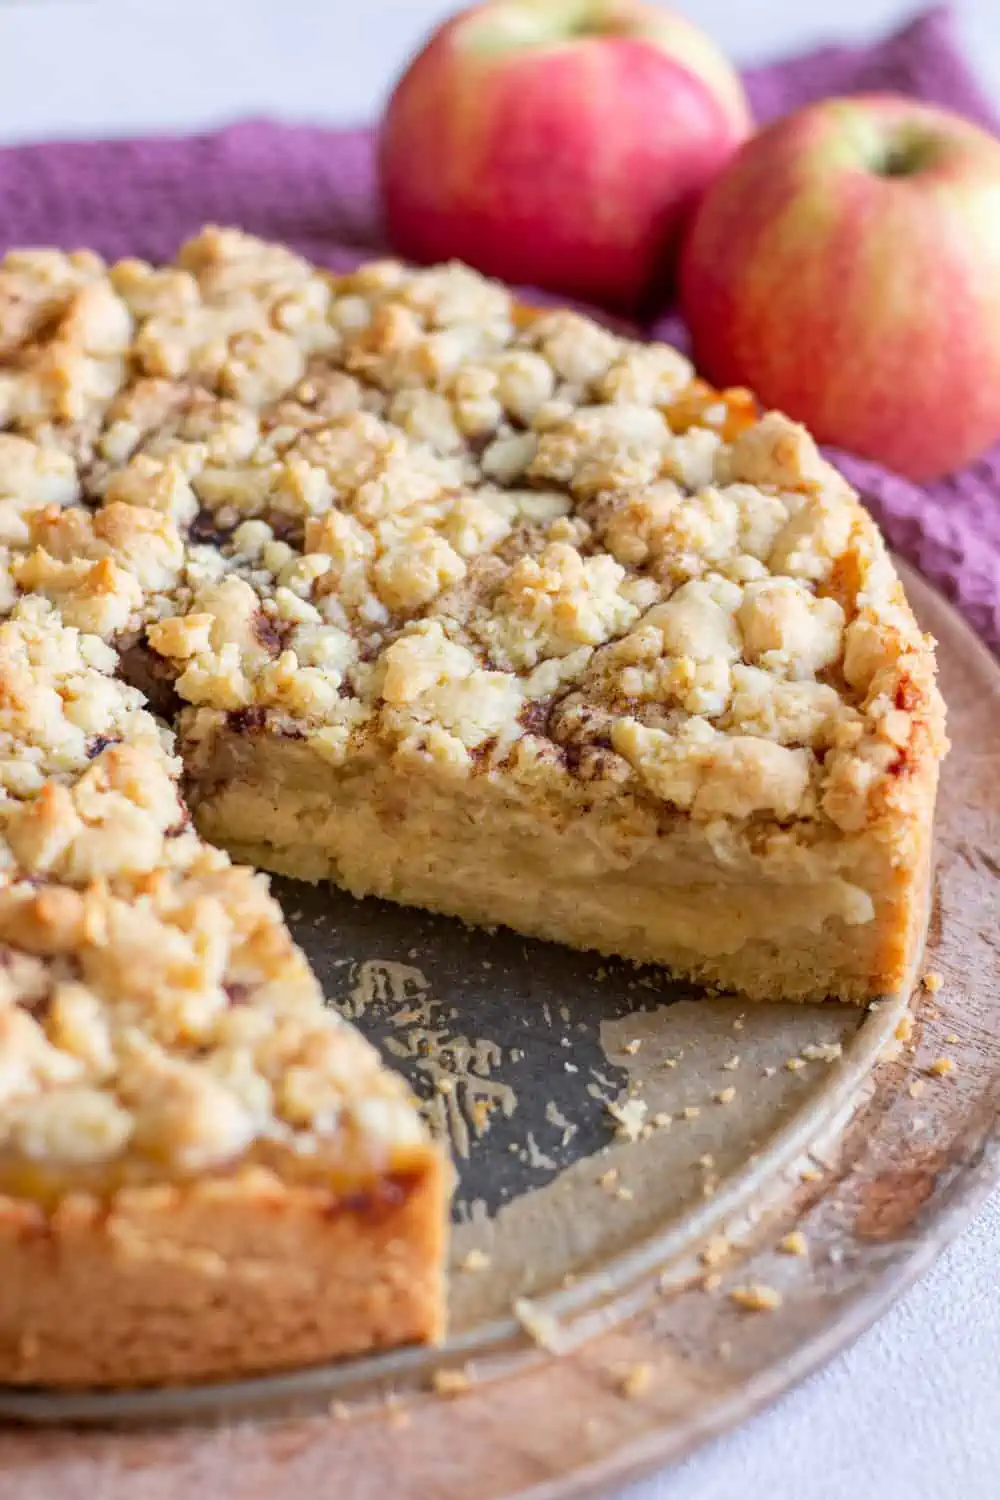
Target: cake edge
219, 1278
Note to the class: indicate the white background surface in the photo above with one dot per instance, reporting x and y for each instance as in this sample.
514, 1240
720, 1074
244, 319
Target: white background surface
912, 1412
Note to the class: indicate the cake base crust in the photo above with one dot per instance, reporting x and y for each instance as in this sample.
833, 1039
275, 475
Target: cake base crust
197, 1281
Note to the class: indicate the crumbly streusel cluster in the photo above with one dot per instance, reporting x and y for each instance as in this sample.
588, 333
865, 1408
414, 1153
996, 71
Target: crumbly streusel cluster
390, 510
152, 1002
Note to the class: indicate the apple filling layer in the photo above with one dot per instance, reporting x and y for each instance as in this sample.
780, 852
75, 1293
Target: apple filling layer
782, 916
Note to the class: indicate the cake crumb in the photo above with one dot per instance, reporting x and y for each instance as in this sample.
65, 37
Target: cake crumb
636, 1381
932, 982
339, 1411
691, 1111
726, 1096
794, 1243
661, 1120
904, 1028
715, 1250
917, 1087
941, 1067
707, 1161
632, 1047
822, 1051
731, 1063
629, 1117
476, 1260
625, 1194
711, 1282
540, 1326
756, 1297
450, 1382
811, 1174
739, 1023
952, 1039
794, 1064
608, 1179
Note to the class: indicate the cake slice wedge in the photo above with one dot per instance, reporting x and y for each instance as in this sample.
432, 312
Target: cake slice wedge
204, 1172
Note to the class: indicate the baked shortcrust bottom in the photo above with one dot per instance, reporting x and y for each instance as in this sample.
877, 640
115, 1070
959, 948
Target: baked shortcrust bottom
173, 1283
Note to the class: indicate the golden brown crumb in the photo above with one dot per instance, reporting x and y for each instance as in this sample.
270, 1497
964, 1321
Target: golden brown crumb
636, 1381
726, 1096
941, 1067
756, 1297
632, 1047
476, 1260
952, 1038
794, 1064
904, 1028
691, 1111
711, 1282
608, 1180
450, 1382
794, 1243
811, 1174
714, 1250
932, 982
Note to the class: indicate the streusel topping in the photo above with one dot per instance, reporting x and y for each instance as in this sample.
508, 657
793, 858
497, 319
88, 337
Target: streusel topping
394, 514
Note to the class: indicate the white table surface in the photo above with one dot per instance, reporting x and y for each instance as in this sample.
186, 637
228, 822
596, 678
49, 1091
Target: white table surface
912, 1411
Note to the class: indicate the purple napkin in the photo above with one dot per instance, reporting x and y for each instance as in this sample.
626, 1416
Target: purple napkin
314, 189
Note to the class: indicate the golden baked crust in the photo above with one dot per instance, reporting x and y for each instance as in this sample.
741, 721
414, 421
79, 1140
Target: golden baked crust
483, 609
213, 1278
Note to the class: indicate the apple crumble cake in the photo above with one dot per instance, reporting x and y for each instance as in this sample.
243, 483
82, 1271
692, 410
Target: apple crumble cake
386, 580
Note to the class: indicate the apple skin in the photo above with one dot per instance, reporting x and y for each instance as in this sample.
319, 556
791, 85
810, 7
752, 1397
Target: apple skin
846, 267
559, 143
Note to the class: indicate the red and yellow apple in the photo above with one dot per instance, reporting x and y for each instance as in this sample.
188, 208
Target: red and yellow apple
846, 267
558, 142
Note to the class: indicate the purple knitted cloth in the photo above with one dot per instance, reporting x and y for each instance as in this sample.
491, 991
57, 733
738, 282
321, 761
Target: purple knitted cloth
314, 189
